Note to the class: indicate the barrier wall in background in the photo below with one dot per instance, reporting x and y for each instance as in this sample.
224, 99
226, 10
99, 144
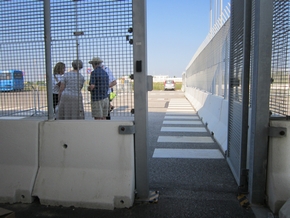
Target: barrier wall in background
70, 163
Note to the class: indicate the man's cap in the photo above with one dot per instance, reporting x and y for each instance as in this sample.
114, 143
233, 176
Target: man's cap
96, 60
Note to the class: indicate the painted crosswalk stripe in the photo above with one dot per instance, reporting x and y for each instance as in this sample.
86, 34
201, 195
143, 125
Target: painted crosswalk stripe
182, 122
182, 117
183, 108
181, 113
11, 118
180, 105
185, 139
188, 153
180, 110
183, 129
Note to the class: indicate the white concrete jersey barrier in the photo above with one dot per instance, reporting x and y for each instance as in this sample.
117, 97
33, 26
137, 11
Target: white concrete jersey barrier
278, 188
18, 160
213, 110
85, 164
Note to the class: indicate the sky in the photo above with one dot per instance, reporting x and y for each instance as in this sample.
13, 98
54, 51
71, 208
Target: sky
175, 30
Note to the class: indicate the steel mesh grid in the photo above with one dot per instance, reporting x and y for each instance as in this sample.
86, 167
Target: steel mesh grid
279, 92
21, 48
208, 70
252, 52
235, 87
105, 35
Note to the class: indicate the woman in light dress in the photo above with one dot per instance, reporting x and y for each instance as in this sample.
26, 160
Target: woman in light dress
70, 97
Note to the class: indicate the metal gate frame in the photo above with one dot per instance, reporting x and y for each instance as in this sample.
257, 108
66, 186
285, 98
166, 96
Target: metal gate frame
250, 76
262, 28
140, 94
137, 65
239, 91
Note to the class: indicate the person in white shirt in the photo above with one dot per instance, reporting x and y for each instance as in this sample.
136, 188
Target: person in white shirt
58, 72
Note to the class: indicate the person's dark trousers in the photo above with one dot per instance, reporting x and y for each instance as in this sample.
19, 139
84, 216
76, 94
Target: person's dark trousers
108, 117
54, 100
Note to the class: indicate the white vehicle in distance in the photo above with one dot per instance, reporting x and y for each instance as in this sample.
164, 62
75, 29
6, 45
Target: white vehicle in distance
169, 84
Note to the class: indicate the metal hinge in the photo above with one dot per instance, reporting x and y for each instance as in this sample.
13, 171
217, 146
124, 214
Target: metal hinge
277, 132
126, 130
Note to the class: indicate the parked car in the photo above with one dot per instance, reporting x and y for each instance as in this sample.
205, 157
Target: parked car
169, 84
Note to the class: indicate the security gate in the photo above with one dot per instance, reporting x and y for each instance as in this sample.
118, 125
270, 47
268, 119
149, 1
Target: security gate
34, 40
249, 92
86, 29
43, 33
238, 92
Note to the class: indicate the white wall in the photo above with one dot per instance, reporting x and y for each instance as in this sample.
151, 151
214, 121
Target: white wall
70, 163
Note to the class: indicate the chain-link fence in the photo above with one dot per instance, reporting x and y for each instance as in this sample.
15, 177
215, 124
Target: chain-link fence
79, 30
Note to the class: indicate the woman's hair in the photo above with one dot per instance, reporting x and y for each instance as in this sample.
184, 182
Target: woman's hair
58, 68
77, 64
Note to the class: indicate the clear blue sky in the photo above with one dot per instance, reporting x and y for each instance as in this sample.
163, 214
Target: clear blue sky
175, 29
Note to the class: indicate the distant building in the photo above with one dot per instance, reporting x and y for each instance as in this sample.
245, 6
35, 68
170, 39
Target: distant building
162, 78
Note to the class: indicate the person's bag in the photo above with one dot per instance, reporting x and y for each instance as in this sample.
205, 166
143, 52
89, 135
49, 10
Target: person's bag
112, 95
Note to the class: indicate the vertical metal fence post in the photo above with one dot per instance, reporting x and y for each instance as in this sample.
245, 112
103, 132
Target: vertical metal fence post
261, 75
243, 188
47, 40
140, 97
141, 102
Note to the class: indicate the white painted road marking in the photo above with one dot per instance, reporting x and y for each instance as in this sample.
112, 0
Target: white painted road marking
182, 117
182, 122
183, 129
185, 139
188, 153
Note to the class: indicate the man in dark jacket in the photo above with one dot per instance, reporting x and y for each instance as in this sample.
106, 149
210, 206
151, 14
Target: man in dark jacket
98, 86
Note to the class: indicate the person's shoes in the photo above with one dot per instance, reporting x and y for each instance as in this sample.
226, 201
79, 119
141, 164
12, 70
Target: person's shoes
112, 108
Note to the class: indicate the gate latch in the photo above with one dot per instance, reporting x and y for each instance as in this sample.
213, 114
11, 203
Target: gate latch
278, 132
126, 130
149, 83
79, 33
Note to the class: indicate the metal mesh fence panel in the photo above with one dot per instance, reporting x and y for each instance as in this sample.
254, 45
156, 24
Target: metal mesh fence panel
279, 93
208, 70
80, 30
236, 88
22, 58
